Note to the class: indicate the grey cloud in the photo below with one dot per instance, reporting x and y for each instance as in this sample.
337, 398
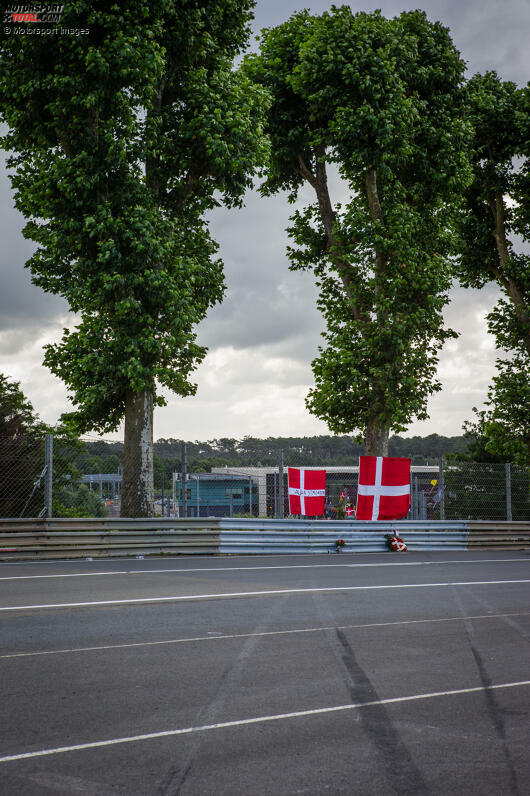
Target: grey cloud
265, 303
248, 319
15, 342
22, 304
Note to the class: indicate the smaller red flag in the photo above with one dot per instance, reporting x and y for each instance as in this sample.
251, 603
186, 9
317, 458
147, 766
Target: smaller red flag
307, 492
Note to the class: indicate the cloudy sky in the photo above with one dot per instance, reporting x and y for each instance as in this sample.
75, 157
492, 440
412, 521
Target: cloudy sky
263, 337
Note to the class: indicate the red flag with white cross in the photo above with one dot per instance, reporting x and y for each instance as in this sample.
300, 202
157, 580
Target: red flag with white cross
384, 488
307, 492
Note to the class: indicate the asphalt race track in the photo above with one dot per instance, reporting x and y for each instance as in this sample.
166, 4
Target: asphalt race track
339, 674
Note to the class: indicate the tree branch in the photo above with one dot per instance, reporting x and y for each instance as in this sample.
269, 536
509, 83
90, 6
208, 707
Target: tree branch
376, 211
319, 182
152, 163
306, 172
509, 284
376, 214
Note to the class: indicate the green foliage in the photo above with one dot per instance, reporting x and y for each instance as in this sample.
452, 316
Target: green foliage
507, 420
478, 490
319, 450
381, 99
122, 140
498, 112
254, 452
79, 501
495, 212
17, 415
21, 452
502, 431
22, 455
161, 474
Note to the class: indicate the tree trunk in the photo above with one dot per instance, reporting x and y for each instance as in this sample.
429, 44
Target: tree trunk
375, 439
137, 497
507, 282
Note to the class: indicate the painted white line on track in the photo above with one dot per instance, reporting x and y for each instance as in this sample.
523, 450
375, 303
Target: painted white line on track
256, 720
230, 556
267, 593
222, 637
249, 569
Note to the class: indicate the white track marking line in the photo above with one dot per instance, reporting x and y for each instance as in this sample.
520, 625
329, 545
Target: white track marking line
248, 569
223, 557
270, 592
221, 637
71, 575
257, 720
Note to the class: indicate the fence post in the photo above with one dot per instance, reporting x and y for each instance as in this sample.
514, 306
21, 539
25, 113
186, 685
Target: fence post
250, 496
280, 484
441, 487
423, 512
184, 479
508, 492
48, 476
174, 494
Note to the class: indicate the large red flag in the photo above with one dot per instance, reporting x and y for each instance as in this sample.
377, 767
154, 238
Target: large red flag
384, 488
307, 492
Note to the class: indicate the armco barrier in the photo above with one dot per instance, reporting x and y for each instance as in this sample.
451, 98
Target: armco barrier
313, 542
498, 535
90, 538
87, 544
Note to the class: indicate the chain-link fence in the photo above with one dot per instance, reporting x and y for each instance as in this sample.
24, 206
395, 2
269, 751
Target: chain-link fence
455, 490
55, 477
22, 473
43, 476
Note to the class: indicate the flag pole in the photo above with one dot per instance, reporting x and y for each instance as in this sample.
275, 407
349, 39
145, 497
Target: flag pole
280, 485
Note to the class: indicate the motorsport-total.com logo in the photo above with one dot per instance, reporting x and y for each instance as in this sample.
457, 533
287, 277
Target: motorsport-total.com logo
37, 19
33, 12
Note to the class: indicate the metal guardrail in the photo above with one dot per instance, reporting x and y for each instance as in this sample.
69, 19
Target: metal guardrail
89, 538
106, 524
355, 541
90, 544
8, 525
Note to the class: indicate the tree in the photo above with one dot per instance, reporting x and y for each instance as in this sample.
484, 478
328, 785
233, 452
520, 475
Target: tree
496, 210
22, 456
78, 501
17, 415
477, 450
123, 139
21, 452
381, 100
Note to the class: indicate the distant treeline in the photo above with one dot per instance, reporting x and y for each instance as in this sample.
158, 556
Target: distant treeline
254, 452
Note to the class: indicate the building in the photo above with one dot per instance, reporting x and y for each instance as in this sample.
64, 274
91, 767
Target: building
218, 494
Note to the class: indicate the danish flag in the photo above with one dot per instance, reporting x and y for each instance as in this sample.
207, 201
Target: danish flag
384, 488
307, 492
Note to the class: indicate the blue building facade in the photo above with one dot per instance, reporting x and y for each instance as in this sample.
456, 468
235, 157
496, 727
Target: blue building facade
217, 495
